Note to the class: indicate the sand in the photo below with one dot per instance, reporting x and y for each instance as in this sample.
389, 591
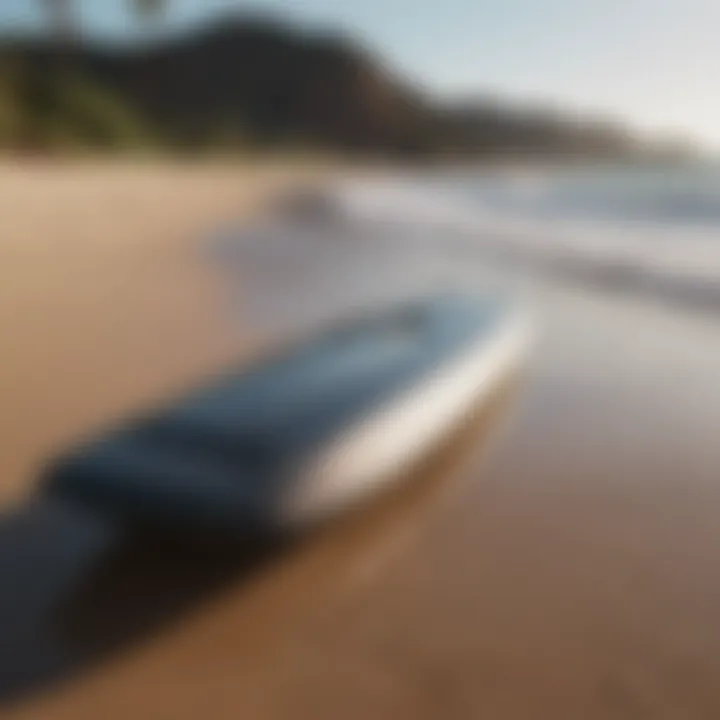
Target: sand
105, 304
558, 560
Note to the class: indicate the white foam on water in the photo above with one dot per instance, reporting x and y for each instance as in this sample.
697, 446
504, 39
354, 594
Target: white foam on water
679, 262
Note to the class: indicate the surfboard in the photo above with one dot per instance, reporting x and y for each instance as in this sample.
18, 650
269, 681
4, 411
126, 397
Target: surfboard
308, 432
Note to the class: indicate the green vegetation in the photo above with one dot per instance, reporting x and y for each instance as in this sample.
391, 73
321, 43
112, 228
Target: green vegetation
11, 116
62, 110
81, 113
50, 102
246, 86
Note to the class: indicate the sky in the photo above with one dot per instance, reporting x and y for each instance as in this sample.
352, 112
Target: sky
652, 63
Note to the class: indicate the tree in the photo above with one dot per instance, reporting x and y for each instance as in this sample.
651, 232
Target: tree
149, 12
61, 19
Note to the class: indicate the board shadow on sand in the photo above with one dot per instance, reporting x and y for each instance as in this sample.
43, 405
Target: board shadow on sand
78, 589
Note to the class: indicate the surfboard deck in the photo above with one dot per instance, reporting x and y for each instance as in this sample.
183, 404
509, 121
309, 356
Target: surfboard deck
306, 433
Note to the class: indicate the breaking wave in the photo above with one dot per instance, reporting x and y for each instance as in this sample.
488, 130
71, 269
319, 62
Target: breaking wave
626, 232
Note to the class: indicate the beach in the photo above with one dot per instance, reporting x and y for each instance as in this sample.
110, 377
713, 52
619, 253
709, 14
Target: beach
556, 560
104, 303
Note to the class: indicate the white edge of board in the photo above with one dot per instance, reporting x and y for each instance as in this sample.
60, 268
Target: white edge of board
374, 452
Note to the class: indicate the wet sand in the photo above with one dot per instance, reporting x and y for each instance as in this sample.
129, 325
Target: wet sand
557, 560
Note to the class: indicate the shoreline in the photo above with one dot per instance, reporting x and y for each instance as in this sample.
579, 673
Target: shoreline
569, 571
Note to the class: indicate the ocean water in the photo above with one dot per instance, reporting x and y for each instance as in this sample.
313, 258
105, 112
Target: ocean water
649, 231
643, 234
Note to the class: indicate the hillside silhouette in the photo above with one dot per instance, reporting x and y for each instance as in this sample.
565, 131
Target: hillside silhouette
259, 83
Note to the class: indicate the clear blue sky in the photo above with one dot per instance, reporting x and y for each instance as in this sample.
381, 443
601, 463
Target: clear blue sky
652, 62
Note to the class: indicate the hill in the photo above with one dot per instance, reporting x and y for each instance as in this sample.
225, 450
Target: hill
258, 83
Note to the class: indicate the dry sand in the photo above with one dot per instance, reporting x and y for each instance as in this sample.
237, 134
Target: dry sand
568, 571
104, 304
